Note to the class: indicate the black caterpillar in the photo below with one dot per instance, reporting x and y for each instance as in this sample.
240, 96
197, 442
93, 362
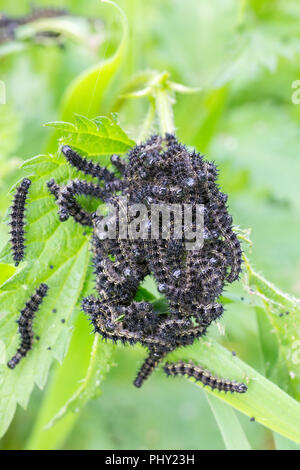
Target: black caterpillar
25, 324
17, 222
191, 370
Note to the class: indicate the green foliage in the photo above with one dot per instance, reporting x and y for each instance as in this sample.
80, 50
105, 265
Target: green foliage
243, 56
264, 401
71, 388
266, 32
56, 254
283, 312
94, 82
100, 136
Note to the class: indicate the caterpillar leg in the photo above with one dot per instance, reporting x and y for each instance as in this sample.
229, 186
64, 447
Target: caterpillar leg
191, 370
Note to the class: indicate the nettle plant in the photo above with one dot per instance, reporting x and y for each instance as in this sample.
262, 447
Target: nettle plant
151, 293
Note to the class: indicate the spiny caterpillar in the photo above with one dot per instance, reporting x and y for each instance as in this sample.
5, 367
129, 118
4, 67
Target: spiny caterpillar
191, 370
17, 220
86, 166
25, 324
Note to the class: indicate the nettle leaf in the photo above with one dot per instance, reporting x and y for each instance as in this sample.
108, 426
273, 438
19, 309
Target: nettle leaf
99, 136
283, 312
70, 388
260, 43
89, 387
56, 254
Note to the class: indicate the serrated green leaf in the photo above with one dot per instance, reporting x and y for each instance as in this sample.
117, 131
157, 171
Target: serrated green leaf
62, 126
57, 254
66, 381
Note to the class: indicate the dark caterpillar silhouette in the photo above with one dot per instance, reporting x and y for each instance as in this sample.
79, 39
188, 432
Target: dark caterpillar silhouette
191, 370
25, 324
17, 220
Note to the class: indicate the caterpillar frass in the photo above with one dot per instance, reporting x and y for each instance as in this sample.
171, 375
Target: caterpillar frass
25, 324
17, 222
191, 370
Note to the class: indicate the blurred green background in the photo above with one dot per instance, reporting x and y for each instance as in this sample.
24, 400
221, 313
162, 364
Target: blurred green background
245, 57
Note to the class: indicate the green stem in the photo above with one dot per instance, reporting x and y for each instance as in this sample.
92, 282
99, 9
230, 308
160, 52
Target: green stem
145, 130
164, 108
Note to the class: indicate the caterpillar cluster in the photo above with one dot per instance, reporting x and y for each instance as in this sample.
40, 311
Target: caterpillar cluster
25, 324
158, 171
